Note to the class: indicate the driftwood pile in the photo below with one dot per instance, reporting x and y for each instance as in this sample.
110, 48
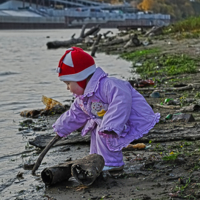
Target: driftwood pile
92, 39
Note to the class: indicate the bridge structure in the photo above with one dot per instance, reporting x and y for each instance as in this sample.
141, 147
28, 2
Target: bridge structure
74, 14
72, 4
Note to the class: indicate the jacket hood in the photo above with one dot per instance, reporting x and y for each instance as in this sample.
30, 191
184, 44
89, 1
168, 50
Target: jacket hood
93, 83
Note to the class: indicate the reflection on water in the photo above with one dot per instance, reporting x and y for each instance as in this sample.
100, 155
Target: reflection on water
27, 71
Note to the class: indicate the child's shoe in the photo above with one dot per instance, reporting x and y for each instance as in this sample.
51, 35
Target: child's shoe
112, 168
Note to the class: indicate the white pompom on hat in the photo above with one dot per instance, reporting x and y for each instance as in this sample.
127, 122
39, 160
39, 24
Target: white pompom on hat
75, 65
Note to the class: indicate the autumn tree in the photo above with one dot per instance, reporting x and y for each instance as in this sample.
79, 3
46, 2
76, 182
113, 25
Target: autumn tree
178, 9
146, 5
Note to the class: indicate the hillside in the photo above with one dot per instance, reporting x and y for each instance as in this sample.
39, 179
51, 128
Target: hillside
179, 9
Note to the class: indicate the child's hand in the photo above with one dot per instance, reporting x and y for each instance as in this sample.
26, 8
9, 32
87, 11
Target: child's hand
58, 135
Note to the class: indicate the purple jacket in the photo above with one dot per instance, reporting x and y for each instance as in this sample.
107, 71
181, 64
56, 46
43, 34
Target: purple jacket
113, 105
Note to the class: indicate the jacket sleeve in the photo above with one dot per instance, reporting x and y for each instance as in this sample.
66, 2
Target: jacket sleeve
70, 121
119, 97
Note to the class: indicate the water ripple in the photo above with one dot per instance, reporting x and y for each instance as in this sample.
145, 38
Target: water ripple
7, 73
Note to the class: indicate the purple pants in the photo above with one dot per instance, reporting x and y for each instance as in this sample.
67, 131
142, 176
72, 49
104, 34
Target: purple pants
98, 146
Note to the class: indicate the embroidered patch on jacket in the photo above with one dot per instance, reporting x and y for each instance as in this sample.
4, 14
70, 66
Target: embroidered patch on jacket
98, 108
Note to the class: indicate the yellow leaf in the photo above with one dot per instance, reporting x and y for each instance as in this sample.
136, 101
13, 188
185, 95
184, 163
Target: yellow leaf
49, 103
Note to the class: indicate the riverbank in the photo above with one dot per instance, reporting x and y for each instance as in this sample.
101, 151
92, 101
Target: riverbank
29, 82
170, 166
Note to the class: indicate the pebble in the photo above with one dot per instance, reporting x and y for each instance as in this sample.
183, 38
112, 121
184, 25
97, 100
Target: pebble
155, 95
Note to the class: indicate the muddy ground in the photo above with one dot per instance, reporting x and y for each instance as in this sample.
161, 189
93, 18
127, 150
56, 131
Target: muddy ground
170, 167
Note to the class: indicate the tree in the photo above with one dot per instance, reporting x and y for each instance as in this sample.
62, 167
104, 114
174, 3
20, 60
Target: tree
146, 5
178, 9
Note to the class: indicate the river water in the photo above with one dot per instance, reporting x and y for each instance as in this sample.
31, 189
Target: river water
27, 71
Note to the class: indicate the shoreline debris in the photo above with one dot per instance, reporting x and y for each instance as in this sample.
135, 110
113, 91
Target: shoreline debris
84, 170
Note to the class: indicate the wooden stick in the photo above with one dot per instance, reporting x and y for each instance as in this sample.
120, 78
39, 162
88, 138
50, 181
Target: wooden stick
166, 89
95, 45
167, 107
39, 160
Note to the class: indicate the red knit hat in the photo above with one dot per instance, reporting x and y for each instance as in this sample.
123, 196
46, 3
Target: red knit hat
76, 65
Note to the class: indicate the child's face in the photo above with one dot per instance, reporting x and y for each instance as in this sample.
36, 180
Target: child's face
74, 88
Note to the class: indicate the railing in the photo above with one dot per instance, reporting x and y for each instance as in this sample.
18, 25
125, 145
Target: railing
16, 19
104, 15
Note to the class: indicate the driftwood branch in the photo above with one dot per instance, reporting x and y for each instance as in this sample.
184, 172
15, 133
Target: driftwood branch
119, 40
174, 136
73, 35
97, 31
156, 30
92, 31
82, 31
134, 41
166, 107
95, 45
42, 141
190, 108
73, 41
105, 34
39, 160
189, 87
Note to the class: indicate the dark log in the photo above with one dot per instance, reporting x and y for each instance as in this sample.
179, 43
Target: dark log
133, 42
114, 42
118, 40
136, 41
73, 35
190, 108
105, 34
92, 31
175, 134
183, 117
95, 45
57, 173
68, 43
170, 137
39, 160
82, 31
73, 41
42, 140
57, 109
96, 32
84, 170
89, 41
156, 30
31, 113
97, 40
94, 49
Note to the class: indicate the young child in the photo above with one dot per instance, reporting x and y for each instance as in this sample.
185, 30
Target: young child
110, 109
